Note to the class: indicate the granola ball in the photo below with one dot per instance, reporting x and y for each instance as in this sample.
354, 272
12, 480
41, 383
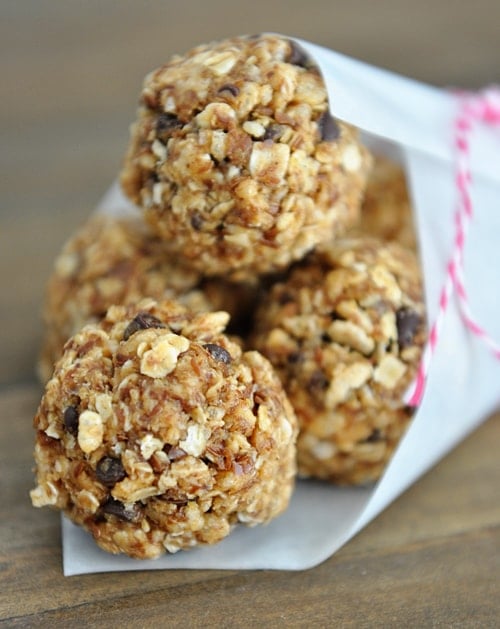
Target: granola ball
386, 211
345, 332
236, 160
157, 433
108, 261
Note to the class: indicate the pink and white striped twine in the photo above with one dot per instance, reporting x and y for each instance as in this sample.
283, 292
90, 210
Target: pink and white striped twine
482, 107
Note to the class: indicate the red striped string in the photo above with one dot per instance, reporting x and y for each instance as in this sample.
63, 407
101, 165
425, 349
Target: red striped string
483, 107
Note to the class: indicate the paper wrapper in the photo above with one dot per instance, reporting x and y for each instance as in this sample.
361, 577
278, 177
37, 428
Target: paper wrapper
412, 122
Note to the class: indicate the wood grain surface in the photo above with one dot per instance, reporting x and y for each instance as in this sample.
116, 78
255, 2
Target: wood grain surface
71, 73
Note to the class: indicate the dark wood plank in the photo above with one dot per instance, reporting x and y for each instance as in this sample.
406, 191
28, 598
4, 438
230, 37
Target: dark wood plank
415, 588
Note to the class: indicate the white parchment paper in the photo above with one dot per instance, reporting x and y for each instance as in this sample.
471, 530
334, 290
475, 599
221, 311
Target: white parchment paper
415, 121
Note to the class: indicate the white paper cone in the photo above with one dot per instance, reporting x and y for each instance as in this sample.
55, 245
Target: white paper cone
414, 120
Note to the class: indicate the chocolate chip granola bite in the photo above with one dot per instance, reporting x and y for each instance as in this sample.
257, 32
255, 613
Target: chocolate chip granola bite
345, 332
108, 261
386, 211
157, 433
236, 160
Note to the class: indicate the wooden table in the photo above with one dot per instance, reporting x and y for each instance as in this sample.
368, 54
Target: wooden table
70, 78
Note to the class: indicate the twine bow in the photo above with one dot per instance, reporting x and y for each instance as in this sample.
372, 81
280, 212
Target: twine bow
482, 107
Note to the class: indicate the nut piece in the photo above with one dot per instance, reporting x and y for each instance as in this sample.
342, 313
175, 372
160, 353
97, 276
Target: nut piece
161, 359
236, 161
346, 379
195, 435
90, 431
345, 331
389, 371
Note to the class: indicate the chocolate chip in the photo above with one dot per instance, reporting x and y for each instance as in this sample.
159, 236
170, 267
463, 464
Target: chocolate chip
71, 419
234, 90
298, 56
166, 124
128, 513
329, 130
295, 358
285, 298
196, 221
218, 352
375, 436
142, 321
109, 471
175, 453
318, 381
273, 132
407, 323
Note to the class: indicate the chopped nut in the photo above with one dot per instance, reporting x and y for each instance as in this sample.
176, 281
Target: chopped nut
129, 490
351, 158
344, 380
149, 445
196, 439
160, 150
323, 450
67, 264
216, 116
386, 281
161, 359
90, 431
389, 371
255, 129
388, 326
44, 495
52, 431
87, 501
104, 405
206, 324
352, 335
221, 63
269, 162
350, 310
